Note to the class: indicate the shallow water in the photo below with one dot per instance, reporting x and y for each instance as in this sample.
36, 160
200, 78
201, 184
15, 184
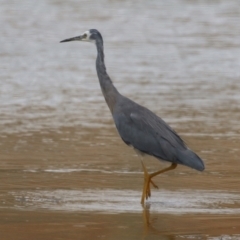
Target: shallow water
65, 173
174, 202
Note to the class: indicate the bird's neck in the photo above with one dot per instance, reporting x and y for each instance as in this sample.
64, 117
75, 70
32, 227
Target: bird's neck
110, 93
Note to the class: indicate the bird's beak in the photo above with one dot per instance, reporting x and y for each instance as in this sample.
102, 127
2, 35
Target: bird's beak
78, 38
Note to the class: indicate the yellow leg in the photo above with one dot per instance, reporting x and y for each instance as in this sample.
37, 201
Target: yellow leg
148, 179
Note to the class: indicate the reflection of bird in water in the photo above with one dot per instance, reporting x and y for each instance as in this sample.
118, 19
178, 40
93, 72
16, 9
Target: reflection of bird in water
138, 126
159, 226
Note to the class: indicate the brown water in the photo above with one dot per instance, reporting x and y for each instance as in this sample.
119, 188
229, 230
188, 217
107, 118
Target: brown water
65, 173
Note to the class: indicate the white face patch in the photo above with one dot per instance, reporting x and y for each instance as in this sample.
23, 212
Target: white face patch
86, 37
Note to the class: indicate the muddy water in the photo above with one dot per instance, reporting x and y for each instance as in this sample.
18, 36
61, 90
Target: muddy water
65, 173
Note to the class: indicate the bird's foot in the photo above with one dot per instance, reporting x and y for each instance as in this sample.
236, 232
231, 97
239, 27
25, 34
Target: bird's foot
148, 179
154, 185
146, 187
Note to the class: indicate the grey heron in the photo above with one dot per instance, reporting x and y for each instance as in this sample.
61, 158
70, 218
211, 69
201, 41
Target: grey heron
138, 126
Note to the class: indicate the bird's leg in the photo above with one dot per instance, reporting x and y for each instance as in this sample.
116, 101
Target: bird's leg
146, 191
147, 180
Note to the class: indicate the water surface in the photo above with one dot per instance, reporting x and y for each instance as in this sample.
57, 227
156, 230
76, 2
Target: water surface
65, 173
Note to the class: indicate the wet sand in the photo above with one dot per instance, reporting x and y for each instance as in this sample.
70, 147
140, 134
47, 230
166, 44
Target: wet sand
68, 185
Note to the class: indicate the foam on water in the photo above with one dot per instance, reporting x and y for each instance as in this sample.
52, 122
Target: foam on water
116, 201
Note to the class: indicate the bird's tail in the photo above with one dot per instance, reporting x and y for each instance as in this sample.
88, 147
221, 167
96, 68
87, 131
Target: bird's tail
189, 158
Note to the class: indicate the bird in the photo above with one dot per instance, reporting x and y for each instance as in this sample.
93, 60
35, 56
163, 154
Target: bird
138, 126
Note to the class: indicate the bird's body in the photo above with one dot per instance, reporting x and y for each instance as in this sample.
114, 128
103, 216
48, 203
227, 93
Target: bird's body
138, 126
148, 133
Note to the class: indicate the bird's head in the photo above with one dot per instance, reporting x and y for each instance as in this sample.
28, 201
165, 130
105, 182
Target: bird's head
91, 35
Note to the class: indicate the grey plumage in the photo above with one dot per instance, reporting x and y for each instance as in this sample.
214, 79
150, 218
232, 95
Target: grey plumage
137, 125
148, 133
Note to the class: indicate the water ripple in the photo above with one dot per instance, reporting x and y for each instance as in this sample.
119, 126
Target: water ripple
116, 201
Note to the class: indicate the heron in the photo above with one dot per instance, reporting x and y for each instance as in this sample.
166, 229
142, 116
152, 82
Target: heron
138, 126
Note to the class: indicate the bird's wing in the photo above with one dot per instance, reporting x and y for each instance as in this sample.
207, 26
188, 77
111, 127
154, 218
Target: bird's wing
148, 133
158, 127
